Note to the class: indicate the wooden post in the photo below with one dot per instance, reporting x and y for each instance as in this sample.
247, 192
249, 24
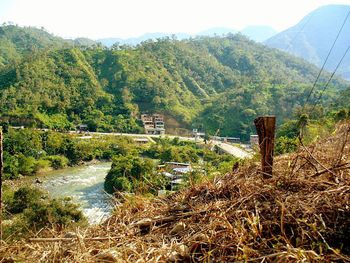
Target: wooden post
1, 172
265, 127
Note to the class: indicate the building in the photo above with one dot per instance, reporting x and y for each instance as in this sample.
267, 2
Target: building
232, 139
153, 123
176, 172
198, 134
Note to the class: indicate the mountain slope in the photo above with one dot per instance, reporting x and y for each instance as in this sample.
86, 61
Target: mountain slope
314, 35
17, 41
207, 83
58, 83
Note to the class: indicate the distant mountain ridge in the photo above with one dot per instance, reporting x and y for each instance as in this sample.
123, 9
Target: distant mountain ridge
33, 36
256, 33
314, 35
108, 42
16, 42
203, 82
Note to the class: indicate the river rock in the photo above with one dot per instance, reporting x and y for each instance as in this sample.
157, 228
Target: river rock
38, 181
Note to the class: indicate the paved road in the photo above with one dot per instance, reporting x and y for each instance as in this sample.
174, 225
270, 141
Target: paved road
228, 148
232, 149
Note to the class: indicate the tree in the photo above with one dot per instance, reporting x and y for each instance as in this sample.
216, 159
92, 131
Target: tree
126, 169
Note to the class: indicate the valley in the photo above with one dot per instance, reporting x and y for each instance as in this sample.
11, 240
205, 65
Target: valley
217, 146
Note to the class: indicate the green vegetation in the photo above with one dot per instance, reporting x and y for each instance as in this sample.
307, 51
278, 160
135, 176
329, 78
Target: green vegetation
215, 84
128, 173
308, 128
28, 210
28, 151
18, 42
135, 170
207, 83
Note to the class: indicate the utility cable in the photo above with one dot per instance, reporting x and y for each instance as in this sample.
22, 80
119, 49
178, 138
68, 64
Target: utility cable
329, 80
330, 51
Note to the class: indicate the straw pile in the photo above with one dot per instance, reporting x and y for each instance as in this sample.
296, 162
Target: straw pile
301, 214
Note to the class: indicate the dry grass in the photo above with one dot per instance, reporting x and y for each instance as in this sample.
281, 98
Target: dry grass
302, 214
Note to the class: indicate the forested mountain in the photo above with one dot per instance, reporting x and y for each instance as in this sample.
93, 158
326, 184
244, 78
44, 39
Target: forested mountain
16, 41
256, 33
208, 83
85, 42
313, 37
133, 41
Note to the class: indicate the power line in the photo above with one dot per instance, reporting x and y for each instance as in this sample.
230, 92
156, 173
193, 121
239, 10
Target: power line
329, 80
330, 51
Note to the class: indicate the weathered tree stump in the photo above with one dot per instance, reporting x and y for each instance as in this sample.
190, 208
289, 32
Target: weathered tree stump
265, 127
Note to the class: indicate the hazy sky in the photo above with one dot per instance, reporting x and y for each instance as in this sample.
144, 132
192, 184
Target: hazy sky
130, 18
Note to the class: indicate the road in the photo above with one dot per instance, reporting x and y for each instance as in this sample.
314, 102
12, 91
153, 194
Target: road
226, 147
232, 149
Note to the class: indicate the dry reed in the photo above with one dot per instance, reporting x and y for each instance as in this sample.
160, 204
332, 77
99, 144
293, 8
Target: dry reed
301, 214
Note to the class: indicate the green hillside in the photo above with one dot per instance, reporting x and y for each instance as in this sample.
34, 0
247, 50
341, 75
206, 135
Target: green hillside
207, 83
16, 42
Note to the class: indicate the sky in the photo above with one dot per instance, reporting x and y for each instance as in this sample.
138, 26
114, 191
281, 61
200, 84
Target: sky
131, 18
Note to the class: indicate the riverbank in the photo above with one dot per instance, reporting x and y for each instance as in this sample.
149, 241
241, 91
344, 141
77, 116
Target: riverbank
82, 183
300, 214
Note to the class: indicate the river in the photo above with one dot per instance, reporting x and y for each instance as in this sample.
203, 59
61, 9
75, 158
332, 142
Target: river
85, 185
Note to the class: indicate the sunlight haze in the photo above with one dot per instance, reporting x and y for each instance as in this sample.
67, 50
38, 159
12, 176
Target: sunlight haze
108, 18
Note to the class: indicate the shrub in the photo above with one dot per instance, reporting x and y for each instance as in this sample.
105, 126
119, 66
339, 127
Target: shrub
58, 161
10, 166
41, 164
286, 145
23, 198
55, 212
118, 184
32, 210
26, 165
130, 167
